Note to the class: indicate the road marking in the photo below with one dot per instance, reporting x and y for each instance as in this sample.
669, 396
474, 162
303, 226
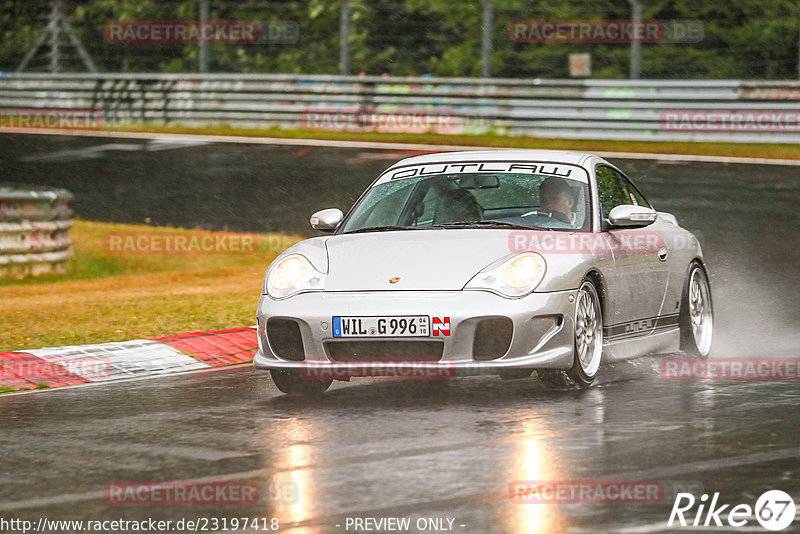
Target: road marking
138, 358
189, 138
104, 362
92, 152
133, 379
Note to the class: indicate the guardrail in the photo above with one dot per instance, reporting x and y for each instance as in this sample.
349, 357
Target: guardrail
650, 110
34, 226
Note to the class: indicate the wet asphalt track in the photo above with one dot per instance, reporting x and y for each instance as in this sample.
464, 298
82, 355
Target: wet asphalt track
381, 449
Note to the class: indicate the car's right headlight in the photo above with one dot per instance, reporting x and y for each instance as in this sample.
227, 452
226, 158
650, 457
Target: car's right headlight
515, 277
291, 275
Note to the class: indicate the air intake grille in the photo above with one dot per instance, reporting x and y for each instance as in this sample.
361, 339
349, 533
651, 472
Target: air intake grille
398, 351
285, 339
492, 338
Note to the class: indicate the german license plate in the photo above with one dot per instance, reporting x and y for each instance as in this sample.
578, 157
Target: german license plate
381, 326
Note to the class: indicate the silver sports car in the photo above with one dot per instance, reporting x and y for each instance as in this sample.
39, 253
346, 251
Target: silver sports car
485, 262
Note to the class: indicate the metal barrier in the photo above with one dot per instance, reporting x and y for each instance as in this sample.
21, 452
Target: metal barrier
34, 226
649, 110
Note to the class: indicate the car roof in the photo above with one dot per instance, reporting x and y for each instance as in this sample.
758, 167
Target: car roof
559, 156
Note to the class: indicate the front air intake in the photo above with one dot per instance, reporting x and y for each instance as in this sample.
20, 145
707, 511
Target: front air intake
492, 338
285, 339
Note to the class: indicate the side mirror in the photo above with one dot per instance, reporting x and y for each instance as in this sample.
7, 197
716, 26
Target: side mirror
669, 217
629, 215
327, 220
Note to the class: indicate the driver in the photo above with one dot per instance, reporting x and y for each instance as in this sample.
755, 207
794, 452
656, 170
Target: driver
556, 199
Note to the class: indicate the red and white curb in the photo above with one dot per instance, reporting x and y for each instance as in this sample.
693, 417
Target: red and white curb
82, 364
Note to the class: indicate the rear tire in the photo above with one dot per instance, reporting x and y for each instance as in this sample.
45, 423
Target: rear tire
697, 313
588, 336
290, 381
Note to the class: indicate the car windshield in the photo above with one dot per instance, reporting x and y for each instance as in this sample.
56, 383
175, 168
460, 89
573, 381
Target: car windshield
527, 195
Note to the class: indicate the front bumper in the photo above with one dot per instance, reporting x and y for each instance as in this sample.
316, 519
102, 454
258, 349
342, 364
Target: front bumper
542, 337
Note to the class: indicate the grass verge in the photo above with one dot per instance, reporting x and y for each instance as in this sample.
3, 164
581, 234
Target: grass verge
108, 296
746, 150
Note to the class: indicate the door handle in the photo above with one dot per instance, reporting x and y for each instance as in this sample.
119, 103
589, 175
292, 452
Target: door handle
662, 254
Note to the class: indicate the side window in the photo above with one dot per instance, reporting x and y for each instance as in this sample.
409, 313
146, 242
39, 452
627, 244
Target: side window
614, 190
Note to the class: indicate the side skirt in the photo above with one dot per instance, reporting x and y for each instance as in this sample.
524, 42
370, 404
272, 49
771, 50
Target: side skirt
660, 342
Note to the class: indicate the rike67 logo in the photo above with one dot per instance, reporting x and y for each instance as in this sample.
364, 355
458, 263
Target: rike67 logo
774, 510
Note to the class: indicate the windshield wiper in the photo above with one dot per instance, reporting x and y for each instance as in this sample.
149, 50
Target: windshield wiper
386, 228
487, 223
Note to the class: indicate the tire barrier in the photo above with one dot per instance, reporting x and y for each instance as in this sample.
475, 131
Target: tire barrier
34, 226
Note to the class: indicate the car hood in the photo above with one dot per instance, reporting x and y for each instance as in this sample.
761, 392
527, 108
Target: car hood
444, 259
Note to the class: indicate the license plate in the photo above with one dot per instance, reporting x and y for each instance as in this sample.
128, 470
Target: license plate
382, 326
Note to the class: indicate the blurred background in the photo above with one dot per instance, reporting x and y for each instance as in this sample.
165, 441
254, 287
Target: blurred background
715, 39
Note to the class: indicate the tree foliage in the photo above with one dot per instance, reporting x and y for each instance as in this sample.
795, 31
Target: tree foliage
743, 39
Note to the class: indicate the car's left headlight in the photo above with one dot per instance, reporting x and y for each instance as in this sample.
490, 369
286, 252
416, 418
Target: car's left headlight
513, 278
293, 274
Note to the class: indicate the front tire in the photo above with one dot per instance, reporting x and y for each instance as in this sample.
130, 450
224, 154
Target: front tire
290, 381
588, 336
697, 313
553, 378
